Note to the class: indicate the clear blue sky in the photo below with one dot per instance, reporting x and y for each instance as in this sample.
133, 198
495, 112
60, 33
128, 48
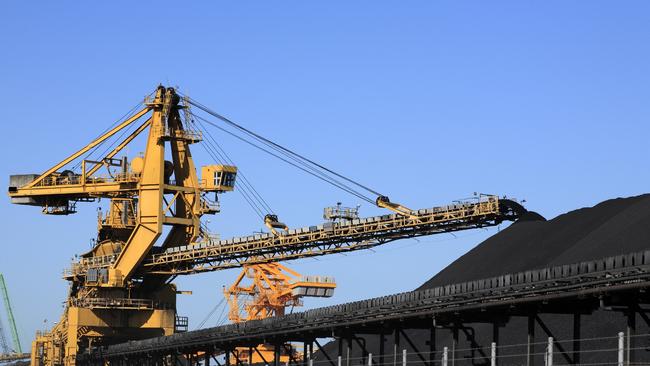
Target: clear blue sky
429, 102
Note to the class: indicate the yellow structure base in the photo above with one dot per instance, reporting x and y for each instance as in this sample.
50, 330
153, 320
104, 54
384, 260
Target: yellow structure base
82, 328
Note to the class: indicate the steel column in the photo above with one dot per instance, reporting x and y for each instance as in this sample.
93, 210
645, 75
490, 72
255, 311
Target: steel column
631, 331
530, 349
576, 338
432, 345
382, 345
396, 344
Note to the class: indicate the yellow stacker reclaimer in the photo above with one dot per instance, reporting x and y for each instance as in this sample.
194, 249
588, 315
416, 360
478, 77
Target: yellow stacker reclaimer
122, 289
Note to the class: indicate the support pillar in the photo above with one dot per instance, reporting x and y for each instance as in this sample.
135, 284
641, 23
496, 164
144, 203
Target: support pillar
576, 338
432, 345
382, 341
549, 351
621, 349
276, 355
493, 354
631, 332
348, 350
530, 349
396, 345
495, 339
454, 344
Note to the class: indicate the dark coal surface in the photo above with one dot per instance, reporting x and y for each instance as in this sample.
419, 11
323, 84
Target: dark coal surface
613, 227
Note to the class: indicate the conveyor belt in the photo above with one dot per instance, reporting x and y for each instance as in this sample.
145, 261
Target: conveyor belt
624, 272
318, 240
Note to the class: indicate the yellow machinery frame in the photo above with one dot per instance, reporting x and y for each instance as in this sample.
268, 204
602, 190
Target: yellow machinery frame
121, 289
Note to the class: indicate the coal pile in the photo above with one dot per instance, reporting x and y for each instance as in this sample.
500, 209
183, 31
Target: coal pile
613, 227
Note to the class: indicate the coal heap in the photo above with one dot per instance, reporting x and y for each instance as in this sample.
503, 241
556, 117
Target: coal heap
613, 227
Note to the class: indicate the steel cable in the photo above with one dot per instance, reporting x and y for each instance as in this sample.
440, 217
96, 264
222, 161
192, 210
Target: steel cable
325, 179
277, 146
245, 180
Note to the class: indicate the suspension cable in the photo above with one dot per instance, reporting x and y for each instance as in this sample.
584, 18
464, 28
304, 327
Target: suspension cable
214, 310
267, 141
315, 174
93, 150
245, 180
248, 191
214, 154
248, 196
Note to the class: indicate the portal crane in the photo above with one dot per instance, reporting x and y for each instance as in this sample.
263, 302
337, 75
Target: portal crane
10, 316
4, 346
273, 288
122, 288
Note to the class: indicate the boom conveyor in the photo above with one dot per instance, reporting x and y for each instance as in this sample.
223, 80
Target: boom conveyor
329, 238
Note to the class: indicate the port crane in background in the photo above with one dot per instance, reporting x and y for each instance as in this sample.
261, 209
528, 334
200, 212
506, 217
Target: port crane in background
272, 289
122, 288
9, 353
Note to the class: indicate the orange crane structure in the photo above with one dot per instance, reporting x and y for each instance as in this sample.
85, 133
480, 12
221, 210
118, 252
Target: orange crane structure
122, 289
273, 288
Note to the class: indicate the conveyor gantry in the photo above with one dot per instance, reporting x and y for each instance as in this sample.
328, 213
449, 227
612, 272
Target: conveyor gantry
318, 240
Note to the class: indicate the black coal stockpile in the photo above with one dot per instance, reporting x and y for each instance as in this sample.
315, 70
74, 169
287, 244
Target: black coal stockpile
613, 227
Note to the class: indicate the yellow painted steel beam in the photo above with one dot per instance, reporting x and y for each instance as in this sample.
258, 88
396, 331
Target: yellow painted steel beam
177, 221
121, 146
150, 197
88, 147
103, 189
188, 208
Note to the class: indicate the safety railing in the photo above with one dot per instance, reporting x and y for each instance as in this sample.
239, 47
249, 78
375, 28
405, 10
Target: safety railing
179, 134
119, 303
77, 179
